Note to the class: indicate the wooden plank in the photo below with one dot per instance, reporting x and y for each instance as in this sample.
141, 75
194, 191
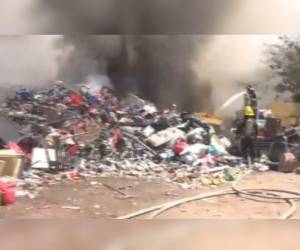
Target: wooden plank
210, 119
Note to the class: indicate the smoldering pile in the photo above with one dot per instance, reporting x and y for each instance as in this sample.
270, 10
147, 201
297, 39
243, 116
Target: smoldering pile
79, 133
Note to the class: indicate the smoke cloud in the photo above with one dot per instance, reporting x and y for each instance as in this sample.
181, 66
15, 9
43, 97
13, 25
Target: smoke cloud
149, 17
196, 72
230, 63
156, 67
27, 61
131, 16
16, 17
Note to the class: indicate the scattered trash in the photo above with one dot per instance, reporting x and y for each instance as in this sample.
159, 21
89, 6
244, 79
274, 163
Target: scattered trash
69, 134
41, 158
232, 174
288, 163
260, 167
165, 136
73, 175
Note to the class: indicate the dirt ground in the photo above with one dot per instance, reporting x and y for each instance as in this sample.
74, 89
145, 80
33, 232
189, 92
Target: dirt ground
93, 199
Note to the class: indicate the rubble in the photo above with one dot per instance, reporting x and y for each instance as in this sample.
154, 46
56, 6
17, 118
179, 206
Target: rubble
288, 163
74, 134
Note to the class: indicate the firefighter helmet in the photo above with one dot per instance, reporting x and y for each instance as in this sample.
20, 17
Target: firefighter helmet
249, 111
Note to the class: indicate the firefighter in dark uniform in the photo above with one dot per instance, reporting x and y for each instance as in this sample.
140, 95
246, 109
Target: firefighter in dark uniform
248, 134
251, 99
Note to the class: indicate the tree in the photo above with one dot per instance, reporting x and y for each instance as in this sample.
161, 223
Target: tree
284, 60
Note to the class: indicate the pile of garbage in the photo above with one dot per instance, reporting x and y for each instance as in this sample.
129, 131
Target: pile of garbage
67, 132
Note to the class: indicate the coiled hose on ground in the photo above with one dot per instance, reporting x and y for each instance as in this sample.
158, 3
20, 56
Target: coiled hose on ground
268, 194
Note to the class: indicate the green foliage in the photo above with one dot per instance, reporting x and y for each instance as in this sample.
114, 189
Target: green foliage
284, 60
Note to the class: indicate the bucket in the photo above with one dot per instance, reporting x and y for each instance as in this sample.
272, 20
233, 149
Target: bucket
8, 193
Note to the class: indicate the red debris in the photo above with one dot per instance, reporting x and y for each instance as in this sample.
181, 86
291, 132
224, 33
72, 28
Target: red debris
73, 149
76, 100
116, 137
179, 147
8, 192
73, 175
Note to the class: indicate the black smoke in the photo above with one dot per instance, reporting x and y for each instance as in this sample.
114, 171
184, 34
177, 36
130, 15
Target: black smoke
157, 68
132, 16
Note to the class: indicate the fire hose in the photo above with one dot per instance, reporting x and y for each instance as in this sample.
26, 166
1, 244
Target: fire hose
269, 194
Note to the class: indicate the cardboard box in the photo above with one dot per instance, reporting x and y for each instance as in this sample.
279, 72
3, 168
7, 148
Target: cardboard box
13, 163
2, 165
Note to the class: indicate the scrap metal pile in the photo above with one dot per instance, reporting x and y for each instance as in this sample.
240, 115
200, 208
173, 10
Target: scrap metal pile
74, 132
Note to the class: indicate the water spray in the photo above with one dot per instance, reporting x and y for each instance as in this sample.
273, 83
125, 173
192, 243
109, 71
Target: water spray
231, 100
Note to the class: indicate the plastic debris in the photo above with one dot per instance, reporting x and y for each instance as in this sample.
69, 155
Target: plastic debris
73, 133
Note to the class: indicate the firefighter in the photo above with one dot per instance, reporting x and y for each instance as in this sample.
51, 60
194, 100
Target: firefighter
251, 99
248, 134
